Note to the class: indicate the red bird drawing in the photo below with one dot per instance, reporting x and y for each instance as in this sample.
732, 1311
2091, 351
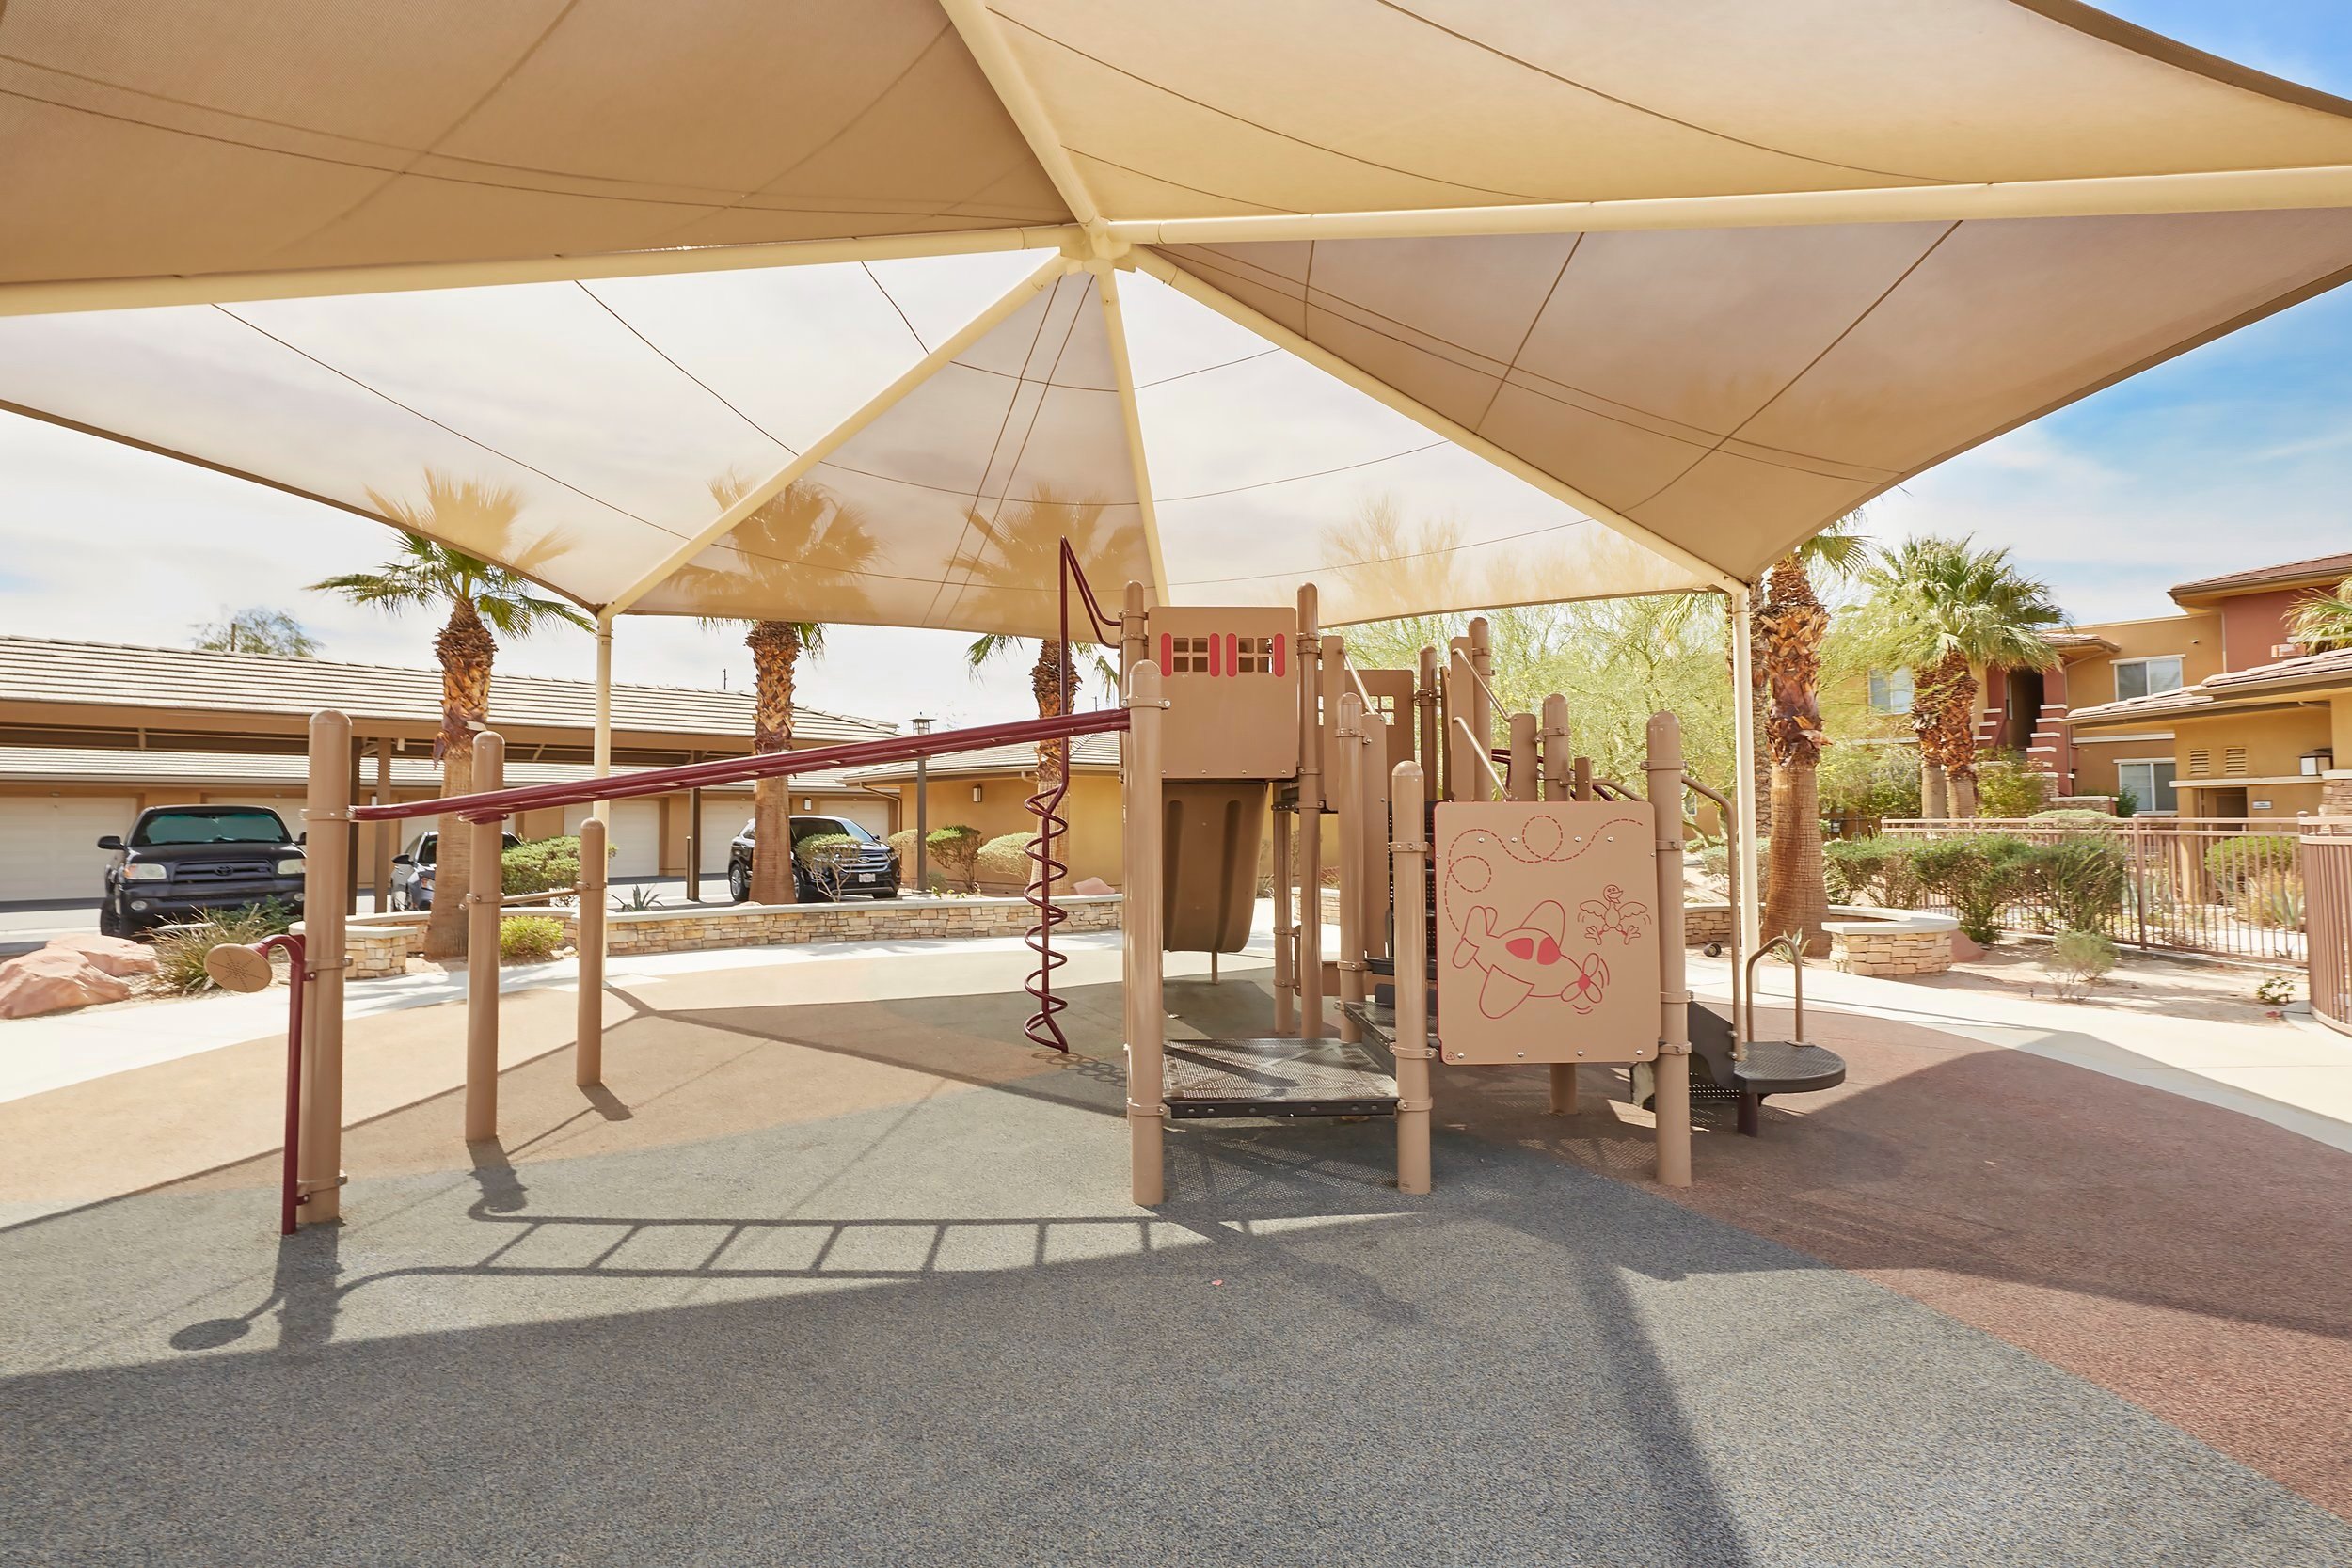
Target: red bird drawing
1527, 960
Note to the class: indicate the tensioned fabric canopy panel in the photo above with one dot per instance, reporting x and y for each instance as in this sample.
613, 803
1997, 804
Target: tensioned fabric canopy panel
811, 311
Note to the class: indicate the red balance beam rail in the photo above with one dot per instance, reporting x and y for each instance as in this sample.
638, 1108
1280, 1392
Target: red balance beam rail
492, 804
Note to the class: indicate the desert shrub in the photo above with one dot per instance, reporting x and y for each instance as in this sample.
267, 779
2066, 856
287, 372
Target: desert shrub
1978, 875
2275, 989
1869, 782
956, 849
902, 844
1004, 862
2240, 860
2081, 877
827, 857
529, 939
2126, 803
636, 899
2007, 788
540, 865
1880, 869
2080, 959
2273, 900
2075, 817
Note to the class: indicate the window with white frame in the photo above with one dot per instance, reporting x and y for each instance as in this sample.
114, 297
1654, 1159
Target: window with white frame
2150, 783
2146, 677
1890, 692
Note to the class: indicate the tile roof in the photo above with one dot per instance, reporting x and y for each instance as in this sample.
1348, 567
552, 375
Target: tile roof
265, 770
2285, 676
48, 669
1087, 753
2336, 566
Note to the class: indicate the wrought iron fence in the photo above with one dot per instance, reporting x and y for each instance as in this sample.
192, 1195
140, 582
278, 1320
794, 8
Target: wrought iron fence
2327, 856
2233, 886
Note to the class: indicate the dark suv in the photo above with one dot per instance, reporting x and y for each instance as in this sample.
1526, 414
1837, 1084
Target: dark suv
873, 870
182, 862
412, 870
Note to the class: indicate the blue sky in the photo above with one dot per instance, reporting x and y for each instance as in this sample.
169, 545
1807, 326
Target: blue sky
2237, 455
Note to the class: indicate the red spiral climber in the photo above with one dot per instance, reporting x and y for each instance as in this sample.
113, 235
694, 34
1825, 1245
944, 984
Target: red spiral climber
1046, 805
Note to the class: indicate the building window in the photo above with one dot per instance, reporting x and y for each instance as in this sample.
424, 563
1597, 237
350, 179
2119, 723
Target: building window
1890, 692
2146, 677
2150, 783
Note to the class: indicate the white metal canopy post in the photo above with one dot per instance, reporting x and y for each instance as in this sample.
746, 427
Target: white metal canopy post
1422, 414
831, 441
1749, 914
601, 754
977, 27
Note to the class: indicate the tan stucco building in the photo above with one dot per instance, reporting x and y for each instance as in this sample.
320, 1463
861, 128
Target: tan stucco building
988, 790
92, 733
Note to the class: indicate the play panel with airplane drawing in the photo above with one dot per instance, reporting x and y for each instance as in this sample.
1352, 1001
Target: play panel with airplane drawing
1547, 931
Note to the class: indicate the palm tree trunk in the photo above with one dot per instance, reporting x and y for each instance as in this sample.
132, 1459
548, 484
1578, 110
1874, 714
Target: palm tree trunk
1048, 679
775, 648
467, 651
1796, 897
1936, 802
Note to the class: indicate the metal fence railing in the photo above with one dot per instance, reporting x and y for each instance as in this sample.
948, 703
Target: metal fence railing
2327, 857
2232, 886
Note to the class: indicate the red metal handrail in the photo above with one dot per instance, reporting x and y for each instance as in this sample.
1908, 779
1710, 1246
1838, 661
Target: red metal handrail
489, 805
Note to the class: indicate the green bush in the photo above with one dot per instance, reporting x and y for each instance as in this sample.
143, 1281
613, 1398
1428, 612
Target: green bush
2080, 959
529, 939
1978, 875
902, 845
541, 865
2007, 788
1882, 870
1004, 862
180, 955
1869, 782
955, 849
2240, 860
2082, 878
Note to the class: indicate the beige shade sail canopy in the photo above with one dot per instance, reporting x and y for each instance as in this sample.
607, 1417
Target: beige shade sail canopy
853, 313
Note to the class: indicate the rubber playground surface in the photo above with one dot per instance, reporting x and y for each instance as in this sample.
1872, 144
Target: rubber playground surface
816, 1281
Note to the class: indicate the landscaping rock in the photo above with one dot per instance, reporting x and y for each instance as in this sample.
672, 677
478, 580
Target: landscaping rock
53, 980
1965, 949
1094, 886
117, 955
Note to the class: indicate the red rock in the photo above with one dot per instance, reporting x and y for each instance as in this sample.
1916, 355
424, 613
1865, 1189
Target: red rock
1093, 885
53, 980
1966, 948
117, 955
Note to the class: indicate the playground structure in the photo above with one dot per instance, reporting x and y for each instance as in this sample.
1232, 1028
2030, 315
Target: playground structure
1539, 906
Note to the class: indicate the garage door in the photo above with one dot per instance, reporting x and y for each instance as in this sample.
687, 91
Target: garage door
636, 837
873, 816
49, 845
724, 817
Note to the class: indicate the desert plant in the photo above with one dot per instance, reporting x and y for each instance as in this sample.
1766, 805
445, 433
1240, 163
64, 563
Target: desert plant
180, 955
636, 901
2126, 803
1873, 783
2007, 788
2275, 990
1004, 862
1978, 875
2273, 900
1881, 869
529, 939
828, 857
540, 865
2081, 877
2080, 959
2074, 816
955, 849
2239, 860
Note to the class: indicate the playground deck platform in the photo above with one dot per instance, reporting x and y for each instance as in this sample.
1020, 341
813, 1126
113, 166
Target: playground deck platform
830, 1271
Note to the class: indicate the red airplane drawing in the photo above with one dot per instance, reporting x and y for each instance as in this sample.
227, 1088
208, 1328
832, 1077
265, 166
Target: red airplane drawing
1527, 960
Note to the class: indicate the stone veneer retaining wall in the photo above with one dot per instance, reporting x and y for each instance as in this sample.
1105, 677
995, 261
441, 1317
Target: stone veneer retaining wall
687, 931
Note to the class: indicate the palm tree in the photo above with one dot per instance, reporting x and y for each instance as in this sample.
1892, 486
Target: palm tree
1790, 626
482, 597
2324, 621
1954, 609
1018, 551
800, 543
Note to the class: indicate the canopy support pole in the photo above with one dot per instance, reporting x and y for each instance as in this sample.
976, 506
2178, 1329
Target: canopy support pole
1422, 414
833, 441
600, 753
981, 34
1115, 326
1749, 914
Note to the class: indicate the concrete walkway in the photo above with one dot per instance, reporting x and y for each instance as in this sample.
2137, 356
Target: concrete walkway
833, 1269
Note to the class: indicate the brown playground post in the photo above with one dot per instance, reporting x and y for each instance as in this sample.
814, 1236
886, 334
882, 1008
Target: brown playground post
1581, 779
1308, 964
1146, 1020
588, 1041
1464, 781
484, 898
1672, 1074
326, 821
1559, 767
1522, 776
1348, 790
1409, 850
1285, 983
1427, 703
1482, 657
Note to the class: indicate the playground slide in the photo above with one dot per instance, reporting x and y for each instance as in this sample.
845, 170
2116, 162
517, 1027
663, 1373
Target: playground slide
1210, 839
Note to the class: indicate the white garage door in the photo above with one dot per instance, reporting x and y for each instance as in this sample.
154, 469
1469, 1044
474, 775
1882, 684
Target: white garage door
724, 817
636, 837
49, 845
873, 816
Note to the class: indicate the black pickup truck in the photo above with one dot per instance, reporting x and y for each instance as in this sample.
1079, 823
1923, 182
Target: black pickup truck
181, 861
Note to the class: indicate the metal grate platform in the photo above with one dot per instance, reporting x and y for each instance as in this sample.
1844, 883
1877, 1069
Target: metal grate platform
1273, 1078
